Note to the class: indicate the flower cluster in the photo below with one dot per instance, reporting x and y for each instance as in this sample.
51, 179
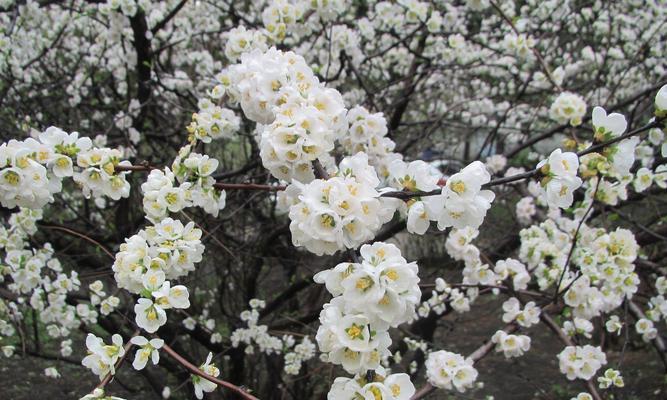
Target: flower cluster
280, 17
213, 122
511, 345
415, 176
442, 295
613, 161
390, 387
299, 135
299, 118
525, 210
167, 250
367, 133
529, 316
463, 203
390, 49
450, 371
383, 286
369, 297
301, 352
514, 269
581, 362
192, 172
102, 357
568, 108
341, 212
578, 326
645, 328
147, 260
37, 277
459, 245
241, 40
520, 44
611, 377
31, 171
255, 334
606, 261
560, 178
350, 340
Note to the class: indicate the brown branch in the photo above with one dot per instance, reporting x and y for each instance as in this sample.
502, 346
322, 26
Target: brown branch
533, 172
408, 87
193, 369
600, 146
320, 172
80, 235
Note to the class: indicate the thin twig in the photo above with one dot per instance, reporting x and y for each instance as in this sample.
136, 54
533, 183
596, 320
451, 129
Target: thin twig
193, 369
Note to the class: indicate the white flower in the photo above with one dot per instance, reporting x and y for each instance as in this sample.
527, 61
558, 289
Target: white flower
418, 218
645, 328
496, 163
661, 99
392, 387
52, 372
172, 297
153, 279
413, 176
520, 44
608, 126
240, 40
643, 179
525, 210
511, 345
148, 349
579, 326
613, 325
102, 358
189, 323
149, 316
568, 107
338, 331
527, 317
98, 394
611, 377
561, 178
622, 156
203, 385
511, 268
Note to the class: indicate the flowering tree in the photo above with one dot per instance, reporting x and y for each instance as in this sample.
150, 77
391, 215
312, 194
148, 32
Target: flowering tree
255, 181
